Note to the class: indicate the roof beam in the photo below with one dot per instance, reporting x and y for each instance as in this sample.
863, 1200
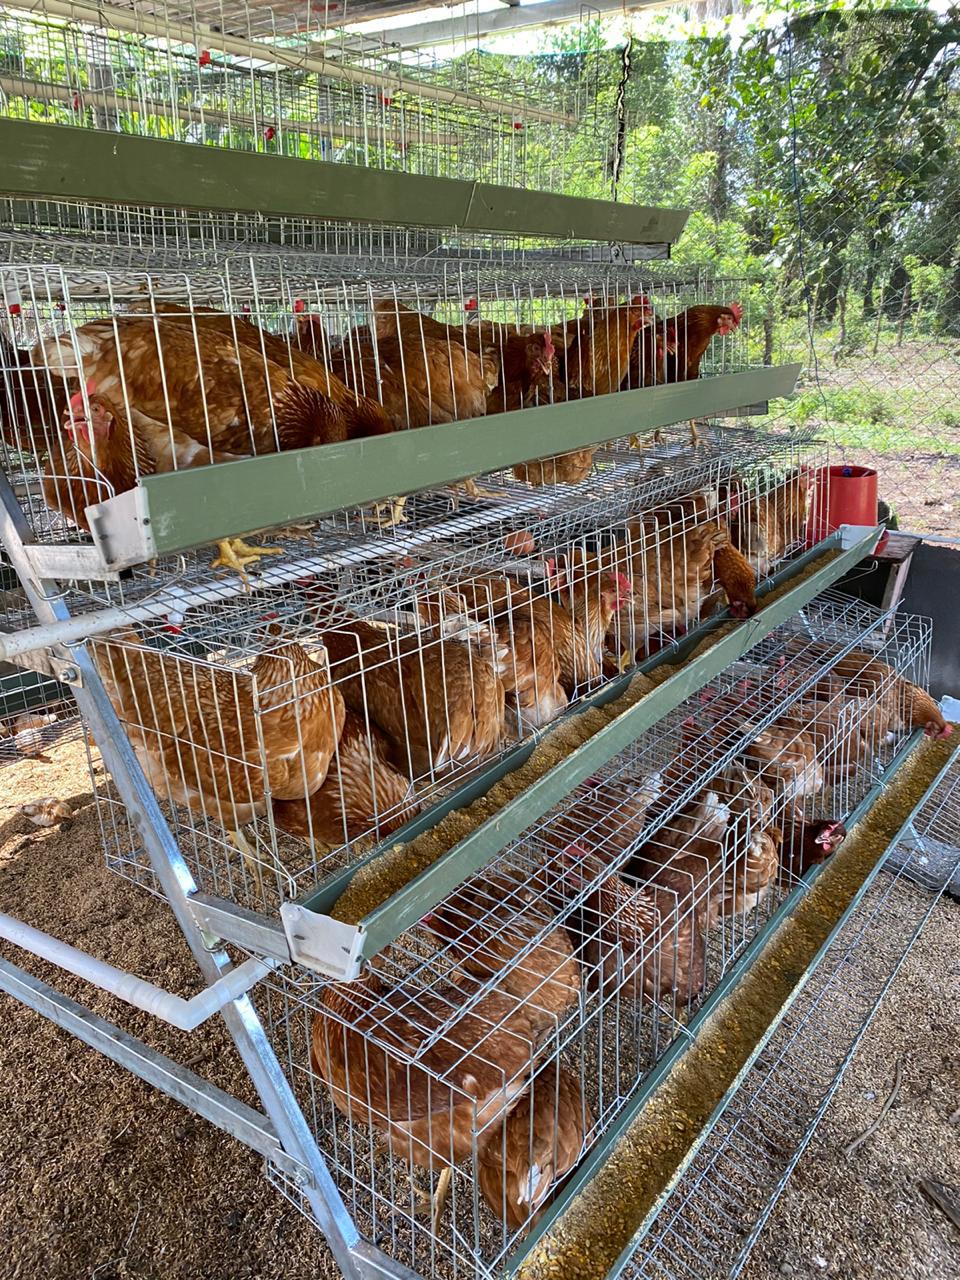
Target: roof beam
468, 27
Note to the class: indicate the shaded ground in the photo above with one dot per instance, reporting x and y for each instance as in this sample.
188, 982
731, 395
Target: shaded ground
101, 1178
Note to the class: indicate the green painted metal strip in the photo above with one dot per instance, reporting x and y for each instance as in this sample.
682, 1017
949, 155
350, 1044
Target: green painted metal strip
190, 508
61, 162
599, 1154
422, 893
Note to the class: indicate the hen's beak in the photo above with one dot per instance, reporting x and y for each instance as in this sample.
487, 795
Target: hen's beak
76, 423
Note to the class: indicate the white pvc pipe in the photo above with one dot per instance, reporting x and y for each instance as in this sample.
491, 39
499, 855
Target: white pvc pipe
186, 1015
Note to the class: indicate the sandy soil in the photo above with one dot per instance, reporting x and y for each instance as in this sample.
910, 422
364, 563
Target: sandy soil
102, 1177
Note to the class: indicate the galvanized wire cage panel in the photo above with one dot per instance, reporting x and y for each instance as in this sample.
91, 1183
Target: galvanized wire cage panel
37, 712
243, 83
145, 238
109, 377
715, 1214
502, 1036
448, 641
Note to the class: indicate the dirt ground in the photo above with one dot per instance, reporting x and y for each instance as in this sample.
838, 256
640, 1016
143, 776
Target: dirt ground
922, 488
102, 1178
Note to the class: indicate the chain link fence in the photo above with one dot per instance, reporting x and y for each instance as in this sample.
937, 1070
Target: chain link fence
820, 153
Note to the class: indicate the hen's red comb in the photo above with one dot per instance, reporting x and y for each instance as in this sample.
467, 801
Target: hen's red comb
737, 310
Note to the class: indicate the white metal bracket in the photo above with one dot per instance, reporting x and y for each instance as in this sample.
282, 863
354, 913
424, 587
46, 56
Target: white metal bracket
122, 530
851, 534
321, 943
66, 562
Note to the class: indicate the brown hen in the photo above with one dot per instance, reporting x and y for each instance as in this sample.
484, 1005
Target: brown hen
430, 1069
362, 795
635, 940
905, 704
577, 624
766, 527
529, 667
362, 416
197, 730
439, 704
499, 930
530, 1151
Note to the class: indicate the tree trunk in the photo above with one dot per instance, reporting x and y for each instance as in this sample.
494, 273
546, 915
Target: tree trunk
814, 306
876, 335
950, 308
870, 276
842, 335
832, 282
898, 282
904, 312
768, 336
869, 311
719, 182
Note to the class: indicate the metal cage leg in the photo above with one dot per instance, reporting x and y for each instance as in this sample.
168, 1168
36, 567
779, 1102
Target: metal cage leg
357, 1259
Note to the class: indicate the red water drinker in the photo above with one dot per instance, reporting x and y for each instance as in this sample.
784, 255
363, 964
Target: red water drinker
841, 495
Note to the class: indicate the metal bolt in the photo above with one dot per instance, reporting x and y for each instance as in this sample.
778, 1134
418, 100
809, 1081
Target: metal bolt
69, 674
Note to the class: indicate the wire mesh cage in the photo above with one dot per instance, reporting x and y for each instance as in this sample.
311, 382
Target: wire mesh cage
457, 1084
714, 1216
110, 377
247, 83
439, 649
37, 712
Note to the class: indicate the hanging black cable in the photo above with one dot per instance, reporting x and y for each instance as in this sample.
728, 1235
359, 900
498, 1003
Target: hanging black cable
625, 59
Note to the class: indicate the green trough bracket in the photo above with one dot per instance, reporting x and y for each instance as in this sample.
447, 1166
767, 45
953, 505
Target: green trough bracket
599, 1154
404, 908
64, 163
170, 513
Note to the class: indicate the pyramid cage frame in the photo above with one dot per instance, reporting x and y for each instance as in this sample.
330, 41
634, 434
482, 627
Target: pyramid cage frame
497, 447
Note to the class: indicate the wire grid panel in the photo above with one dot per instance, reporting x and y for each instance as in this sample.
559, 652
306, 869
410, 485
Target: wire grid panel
141, 70
37, 712
721, 1204
106, 377
446, 650
506, 1032
148, 238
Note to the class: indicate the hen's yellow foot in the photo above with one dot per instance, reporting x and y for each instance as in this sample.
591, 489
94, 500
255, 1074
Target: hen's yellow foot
473, 490
250, 859
626, 661
236, 554
397, 513
434, 1204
